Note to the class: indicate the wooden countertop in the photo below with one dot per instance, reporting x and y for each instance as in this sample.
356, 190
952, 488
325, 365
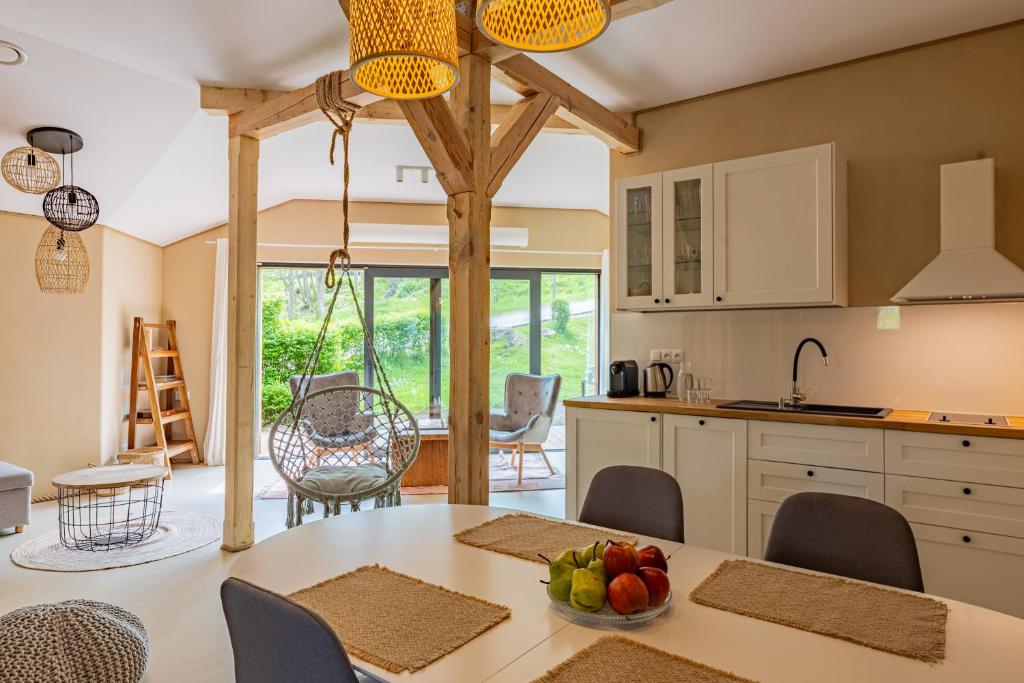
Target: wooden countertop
908, 420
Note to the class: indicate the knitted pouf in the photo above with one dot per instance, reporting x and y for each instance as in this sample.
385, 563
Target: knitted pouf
76, 641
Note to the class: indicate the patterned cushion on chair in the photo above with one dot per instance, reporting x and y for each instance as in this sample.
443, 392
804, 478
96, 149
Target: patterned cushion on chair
74, 641
343, 480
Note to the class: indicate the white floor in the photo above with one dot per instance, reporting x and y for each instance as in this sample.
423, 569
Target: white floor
178, 598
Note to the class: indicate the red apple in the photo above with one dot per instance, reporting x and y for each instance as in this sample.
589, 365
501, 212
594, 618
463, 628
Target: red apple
620, 558
651, 556
628, 594
657, 584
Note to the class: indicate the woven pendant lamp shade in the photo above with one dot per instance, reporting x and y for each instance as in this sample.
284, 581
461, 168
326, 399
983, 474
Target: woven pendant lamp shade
62, 263
30, 170
403, 49
71, 208
543, 25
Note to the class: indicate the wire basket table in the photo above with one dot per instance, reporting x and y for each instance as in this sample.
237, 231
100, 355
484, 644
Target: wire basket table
105, 508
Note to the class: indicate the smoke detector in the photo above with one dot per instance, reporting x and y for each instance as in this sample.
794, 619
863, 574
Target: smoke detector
11, 54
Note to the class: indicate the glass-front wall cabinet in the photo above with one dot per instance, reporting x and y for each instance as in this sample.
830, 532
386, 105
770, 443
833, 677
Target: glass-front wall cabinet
665, 240
639, 219
688, 237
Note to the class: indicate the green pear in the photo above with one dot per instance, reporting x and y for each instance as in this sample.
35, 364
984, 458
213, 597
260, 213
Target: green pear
588, 592
588, 553
561, 580
597, 566
568, 557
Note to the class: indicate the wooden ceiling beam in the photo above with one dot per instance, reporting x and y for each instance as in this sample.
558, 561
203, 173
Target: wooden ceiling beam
443, 141
290, 110
389, 112
526, 77
218, 101
510, 141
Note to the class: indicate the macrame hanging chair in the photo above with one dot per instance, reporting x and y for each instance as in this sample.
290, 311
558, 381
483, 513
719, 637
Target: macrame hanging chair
341, 444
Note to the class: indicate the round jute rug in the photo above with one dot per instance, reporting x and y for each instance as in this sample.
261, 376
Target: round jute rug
177, 533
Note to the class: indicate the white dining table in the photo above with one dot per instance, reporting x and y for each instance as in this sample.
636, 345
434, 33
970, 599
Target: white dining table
981, 644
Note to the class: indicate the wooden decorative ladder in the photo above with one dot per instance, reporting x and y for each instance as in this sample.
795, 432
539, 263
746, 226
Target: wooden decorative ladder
163, 409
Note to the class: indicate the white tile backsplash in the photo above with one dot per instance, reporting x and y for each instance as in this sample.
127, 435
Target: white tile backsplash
957, 357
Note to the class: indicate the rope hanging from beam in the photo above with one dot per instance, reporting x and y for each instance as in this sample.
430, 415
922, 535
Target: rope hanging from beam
338, 442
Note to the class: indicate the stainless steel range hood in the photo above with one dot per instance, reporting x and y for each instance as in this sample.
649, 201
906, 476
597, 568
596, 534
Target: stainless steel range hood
968, 268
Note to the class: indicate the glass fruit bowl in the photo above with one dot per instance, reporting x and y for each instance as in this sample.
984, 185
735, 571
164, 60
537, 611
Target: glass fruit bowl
606, 616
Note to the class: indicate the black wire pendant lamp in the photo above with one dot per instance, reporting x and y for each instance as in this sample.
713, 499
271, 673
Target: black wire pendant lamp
67, 207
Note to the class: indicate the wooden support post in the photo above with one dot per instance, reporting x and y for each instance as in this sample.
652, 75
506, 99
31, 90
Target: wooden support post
469, 272
243, 158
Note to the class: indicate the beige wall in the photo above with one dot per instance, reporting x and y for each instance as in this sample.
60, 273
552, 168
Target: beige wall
61, 360
132, 284
304, 231
897, 117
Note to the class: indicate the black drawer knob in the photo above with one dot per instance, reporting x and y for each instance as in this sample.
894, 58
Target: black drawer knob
967, 539
967, 490
668, 301
810, 473
657, 301
654, 419
718, 298
966, 443
700, 422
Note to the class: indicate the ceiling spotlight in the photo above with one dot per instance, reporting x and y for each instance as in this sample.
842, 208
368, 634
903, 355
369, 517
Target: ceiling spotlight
11, 54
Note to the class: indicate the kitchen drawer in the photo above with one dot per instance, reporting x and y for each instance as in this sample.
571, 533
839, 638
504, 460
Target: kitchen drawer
978, 459
760, 515
774, 481
982, 569
978, 507
851, 448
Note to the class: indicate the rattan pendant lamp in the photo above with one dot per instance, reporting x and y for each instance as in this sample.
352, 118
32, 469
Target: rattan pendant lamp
543, 25
30, 169
403, 49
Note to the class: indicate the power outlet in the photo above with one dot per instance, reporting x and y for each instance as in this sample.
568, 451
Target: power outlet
676, 356
656, 355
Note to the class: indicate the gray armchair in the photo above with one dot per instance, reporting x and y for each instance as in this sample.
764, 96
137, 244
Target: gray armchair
530, 402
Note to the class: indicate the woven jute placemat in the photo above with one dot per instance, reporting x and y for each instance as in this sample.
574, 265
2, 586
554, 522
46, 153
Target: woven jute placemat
615, 659
892, 621
528, 537
395, 621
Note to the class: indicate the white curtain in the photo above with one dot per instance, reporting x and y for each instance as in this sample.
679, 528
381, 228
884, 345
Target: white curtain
216, 428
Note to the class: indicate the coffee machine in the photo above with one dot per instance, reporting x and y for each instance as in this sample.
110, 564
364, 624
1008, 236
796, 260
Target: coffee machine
624, 379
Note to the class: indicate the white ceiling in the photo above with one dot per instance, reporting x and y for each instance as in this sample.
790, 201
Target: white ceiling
124, 74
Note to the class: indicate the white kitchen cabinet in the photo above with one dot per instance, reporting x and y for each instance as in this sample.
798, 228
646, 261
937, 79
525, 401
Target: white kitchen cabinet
760, 515
595, 439
688, 239
982, 569
978, 459
978, 507
763, 231
640, 242
780, 233
775, 481
708, 457
851, 448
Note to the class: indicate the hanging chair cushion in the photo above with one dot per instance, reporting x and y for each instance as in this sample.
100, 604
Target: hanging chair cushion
344, 480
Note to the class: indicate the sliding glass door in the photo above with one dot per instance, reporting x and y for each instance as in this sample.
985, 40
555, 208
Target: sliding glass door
541, 322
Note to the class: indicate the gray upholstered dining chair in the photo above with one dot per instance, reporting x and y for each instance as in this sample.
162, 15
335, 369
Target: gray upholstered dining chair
530, 402
847, 536
640, 500
276, 639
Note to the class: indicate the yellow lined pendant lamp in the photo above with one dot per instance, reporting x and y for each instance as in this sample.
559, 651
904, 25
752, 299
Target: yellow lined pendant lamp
543, 25
403, 49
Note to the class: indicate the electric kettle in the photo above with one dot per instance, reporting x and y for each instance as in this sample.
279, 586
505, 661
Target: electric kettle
657, 379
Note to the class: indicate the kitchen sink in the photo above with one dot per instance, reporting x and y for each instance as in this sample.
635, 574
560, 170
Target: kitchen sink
808, 409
